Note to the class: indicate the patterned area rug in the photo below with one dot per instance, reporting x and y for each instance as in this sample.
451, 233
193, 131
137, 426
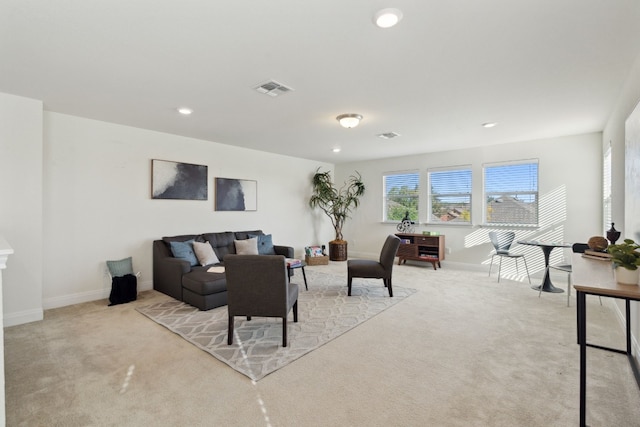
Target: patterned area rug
324, 313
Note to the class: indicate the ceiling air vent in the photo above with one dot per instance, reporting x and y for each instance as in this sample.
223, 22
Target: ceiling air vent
388, 135
272, 88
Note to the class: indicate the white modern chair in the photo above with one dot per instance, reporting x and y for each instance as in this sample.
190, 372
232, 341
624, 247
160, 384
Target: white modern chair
502, 243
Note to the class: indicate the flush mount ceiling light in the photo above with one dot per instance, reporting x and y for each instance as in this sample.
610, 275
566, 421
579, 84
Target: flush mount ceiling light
387, 18
489, 124
185, 111
336, 150
349, 120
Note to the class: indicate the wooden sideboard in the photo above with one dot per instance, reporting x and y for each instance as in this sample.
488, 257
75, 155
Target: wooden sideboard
421, 247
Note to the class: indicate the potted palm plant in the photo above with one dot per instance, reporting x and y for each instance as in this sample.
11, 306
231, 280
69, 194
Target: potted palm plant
337, 203
626, 259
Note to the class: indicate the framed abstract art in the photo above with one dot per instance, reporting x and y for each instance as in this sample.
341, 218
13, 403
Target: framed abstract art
236, 194
173, 180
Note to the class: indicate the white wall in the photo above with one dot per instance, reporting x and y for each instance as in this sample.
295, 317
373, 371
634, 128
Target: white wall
614, 134
21, 207
77, 192
98, 205
569, 189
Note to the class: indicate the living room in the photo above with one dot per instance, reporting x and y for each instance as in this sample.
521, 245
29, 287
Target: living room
76, 192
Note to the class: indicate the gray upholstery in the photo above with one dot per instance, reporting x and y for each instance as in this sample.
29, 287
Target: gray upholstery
258, 285
381, 269
194, 285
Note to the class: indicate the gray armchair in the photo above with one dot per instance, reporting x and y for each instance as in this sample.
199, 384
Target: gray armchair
376, 269
258, 285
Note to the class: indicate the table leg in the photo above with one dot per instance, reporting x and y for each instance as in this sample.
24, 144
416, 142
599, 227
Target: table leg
547, 286
582, 340
305, 278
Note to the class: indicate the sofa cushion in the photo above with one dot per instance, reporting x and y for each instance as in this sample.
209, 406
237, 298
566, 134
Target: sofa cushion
120, 268
184, 250
205, 254
183, 238
203, 283
265, 244
222, 243
247, 246
241, 235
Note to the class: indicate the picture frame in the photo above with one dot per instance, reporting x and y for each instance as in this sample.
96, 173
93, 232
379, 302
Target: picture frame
178, 181
236, 194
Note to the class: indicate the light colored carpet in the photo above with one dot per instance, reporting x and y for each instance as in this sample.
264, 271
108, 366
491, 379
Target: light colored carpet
462, 351
324, 313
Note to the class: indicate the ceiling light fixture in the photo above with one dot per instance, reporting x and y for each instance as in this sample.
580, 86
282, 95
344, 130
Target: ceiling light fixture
185, 111
489, 124
336, 150
349, 120
387, 18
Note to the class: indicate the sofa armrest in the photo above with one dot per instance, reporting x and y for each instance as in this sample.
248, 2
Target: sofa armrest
286, 251
168, 271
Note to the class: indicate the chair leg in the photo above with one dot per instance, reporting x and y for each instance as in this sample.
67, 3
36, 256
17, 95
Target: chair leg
499, 269
295, 311
491, 265
568, 288
349, 285
230, 331
284, 331
546, 271
526, 267
388, 282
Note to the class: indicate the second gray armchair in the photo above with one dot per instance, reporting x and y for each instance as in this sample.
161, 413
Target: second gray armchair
381, 269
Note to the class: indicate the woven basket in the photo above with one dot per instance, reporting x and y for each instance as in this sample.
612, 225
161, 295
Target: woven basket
316, 260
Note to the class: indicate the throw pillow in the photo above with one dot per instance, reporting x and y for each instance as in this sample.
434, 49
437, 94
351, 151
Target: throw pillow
120, 267
184, 250
204, 253
265, 244
247, 246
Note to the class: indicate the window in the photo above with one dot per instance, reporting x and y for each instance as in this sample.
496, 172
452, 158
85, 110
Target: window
450, 195
401, 195
606, 189
511, 193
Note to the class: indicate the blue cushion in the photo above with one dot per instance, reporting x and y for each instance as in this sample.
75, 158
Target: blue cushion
120, 268
184, 250
265, 244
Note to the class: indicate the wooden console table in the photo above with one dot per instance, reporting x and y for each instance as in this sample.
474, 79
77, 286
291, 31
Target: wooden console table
595, 277
421, 247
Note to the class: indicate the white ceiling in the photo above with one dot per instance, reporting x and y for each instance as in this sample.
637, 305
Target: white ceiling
540, 68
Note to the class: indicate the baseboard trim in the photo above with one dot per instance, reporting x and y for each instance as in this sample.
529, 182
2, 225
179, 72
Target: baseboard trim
27, 316
65, 300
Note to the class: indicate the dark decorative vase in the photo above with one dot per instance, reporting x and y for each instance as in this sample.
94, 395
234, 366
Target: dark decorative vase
613, 234
338, 250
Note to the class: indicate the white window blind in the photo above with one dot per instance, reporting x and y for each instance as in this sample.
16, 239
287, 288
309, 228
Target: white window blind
606, 190
450, 195
401, 195
511, 193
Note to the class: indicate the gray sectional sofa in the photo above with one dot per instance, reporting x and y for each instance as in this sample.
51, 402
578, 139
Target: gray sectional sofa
184, 281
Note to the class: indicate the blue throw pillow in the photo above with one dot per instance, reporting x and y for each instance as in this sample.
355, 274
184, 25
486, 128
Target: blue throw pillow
120, 268
184, 250
265, 244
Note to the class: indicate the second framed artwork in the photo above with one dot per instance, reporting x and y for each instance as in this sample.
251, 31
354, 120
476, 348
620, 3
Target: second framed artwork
236, 194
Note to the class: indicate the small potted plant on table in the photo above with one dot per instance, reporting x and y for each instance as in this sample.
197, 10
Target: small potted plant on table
626, 259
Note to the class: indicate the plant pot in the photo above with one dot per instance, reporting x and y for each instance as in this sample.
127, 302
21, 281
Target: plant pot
626, 277
338, 250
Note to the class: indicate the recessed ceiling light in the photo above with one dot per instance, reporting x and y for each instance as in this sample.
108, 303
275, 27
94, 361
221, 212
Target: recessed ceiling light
336, 150
489, 124
185, 111
387, 18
